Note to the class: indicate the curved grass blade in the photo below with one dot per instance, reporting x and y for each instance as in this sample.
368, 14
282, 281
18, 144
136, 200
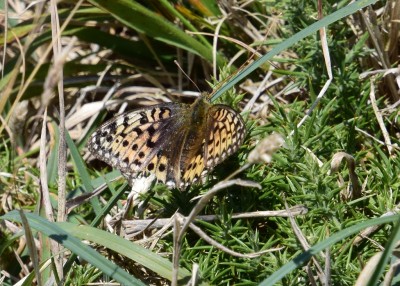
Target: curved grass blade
304, 257
141, 255
143, 20
53, 231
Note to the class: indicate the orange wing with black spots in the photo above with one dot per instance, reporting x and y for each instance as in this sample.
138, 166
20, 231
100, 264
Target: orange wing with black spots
224, 134
133, 142
178, 143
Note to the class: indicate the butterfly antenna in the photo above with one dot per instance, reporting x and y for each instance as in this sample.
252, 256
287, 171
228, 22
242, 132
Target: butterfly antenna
175, 61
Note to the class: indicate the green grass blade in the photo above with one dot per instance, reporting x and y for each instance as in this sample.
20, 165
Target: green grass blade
390, 246
171, 9
52, 161
81, 168
345, 11
304, 257
141, 255
110, 203
139, 18
53, 231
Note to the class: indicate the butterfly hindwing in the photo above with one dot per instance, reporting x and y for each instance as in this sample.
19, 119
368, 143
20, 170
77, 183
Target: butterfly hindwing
195, 167
226, 131
222, 136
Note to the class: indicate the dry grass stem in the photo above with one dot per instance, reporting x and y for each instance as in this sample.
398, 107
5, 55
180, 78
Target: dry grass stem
179, 231
327, 269
216, 36
369, 231
368, 270
394, 146
379, 118
377, 39
135, 227
30, 243
325, 50
44, 189
44, 57
304, 243
257, 93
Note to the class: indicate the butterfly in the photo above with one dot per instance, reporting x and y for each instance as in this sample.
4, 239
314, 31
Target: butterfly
178, 143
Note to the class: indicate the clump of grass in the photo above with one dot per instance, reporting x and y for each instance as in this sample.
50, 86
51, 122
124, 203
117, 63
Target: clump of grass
127, 62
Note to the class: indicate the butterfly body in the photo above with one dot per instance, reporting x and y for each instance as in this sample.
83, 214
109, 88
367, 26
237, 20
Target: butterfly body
176, 142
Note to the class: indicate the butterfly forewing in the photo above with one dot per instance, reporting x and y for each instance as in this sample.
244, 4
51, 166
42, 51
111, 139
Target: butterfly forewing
133, 141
